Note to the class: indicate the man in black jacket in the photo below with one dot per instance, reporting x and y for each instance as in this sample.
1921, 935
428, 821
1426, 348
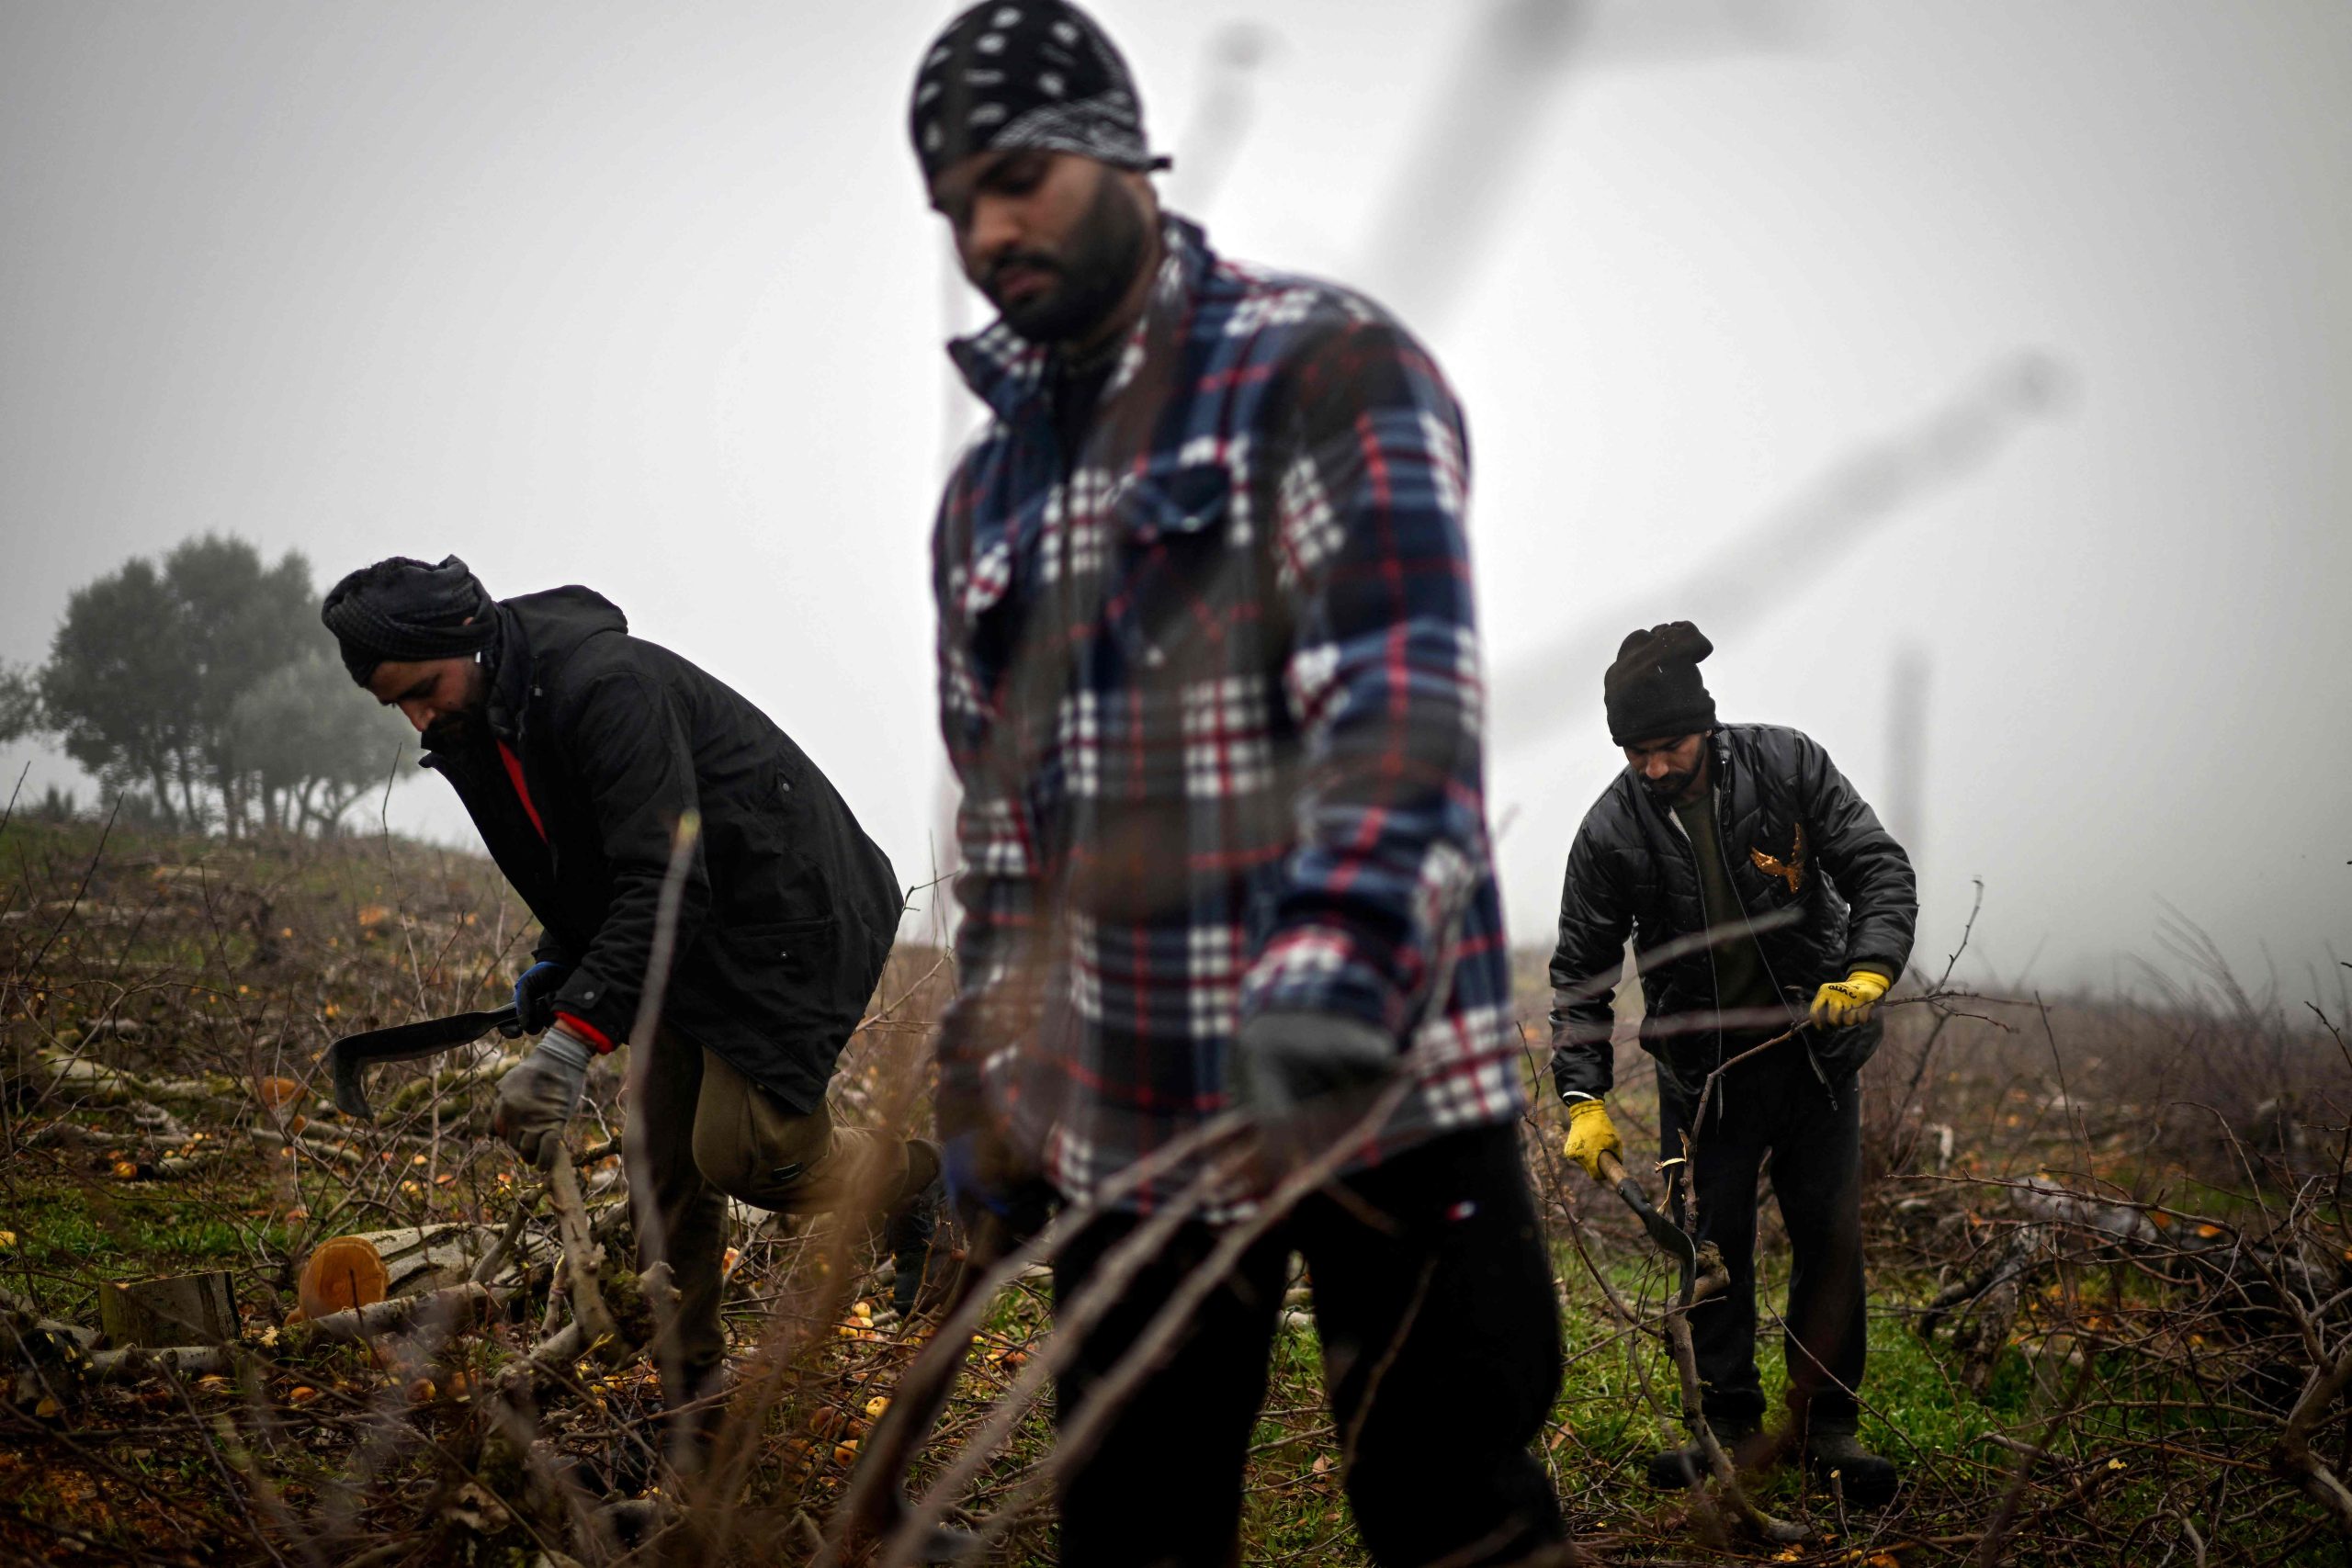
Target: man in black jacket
1762, 897
576, 749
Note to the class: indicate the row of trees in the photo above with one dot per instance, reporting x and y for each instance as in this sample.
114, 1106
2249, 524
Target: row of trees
204, 693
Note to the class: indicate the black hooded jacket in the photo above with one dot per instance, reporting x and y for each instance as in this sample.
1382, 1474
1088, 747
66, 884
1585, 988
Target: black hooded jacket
788, 909
1632, 872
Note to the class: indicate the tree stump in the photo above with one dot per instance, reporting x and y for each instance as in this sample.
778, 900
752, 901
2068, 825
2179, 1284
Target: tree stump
179, 1309
343, 1272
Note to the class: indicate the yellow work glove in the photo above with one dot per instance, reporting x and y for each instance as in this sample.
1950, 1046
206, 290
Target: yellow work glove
1844, 1003
1591, 1134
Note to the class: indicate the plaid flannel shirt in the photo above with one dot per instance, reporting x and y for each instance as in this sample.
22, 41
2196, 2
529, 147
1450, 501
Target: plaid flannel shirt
1213, 693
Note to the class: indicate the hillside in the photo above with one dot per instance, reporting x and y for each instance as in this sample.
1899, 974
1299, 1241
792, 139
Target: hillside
2112, 1312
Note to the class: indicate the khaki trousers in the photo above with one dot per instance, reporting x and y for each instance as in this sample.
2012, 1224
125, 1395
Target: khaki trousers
712, 1134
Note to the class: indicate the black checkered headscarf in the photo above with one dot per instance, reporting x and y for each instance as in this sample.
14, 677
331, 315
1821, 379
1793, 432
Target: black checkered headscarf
1027, 74
404, 609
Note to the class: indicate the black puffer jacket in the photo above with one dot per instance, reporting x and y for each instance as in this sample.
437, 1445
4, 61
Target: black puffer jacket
788, 909
1632, 872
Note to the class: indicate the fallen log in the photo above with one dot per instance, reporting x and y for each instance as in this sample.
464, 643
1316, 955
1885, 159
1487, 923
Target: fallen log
477, 1303
157, 1123
69, 1075
173, 1167
134, 1362
326, 1154
48, 1357
417, 1092
72, 1134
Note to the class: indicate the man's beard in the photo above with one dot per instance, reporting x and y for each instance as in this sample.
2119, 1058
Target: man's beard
454, 731
1672, 788
1103, 257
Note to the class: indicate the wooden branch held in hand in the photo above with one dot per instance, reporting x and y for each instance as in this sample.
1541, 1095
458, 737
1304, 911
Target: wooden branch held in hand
581, 1252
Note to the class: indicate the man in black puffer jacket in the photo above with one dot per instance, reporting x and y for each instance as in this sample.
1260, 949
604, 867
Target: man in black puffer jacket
576, 749
1761, 894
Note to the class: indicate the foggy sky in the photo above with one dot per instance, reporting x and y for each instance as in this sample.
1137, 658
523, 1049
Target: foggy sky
648, 298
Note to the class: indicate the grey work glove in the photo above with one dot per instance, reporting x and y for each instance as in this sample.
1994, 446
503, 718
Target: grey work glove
538, 1094
1284, 1061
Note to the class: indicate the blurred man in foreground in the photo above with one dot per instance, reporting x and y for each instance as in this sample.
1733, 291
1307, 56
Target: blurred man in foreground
576, 749
1209, 676
1761, 896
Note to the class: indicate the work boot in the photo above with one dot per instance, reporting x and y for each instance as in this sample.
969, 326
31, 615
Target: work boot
1671, 1470
686, 1430
918, 1268
1866, 1479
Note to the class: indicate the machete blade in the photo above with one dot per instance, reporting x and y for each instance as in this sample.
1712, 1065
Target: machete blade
353, 1054
1669, 1235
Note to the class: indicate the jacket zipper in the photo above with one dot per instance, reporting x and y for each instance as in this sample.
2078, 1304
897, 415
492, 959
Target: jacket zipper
1721, 792
1722, 847
1714, 980
522, 740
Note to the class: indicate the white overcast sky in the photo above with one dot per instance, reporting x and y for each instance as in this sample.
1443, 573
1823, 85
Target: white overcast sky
647, 297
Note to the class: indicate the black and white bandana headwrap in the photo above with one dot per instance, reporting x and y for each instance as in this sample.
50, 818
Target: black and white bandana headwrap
404, 609
1019, 73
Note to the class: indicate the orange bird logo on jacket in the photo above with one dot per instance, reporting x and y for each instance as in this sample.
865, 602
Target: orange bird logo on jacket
1790, 871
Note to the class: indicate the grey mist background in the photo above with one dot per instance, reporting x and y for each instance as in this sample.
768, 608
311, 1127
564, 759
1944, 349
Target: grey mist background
1978, 376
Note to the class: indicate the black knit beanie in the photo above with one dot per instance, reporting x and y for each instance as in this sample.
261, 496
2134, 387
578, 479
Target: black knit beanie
406, 609
1653, 692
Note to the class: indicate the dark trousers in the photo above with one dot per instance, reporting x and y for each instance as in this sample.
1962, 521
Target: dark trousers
1777, 1105
711, 1132
1432, 1293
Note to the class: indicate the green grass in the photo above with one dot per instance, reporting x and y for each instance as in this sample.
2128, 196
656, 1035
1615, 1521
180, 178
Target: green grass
70, 1237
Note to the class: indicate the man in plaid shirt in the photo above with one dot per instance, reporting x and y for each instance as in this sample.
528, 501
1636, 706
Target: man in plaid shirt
1209, 678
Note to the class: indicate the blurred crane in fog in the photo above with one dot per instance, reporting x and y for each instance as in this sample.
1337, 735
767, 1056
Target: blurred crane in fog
1906, 745
1475, 143
1212, 138
1726, 590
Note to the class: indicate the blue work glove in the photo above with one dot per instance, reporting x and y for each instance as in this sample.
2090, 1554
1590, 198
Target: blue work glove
980, 1170
534, 991
990, 1179
1282, 1062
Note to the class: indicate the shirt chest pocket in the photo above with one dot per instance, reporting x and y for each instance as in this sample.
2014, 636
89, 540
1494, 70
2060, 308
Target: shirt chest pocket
1183, 585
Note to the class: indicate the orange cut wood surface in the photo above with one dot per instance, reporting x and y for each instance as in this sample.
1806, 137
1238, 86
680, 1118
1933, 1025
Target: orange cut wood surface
347, 1271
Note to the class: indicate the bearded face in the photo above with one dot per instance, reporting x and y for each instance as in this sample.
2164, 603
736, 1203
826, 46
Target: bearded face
1053, 239
1672, 768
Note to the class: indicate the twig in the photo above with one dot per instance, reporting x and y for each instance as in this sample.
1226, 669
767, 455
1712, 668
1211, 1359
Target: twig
1988, 1547
495, 1259
635, 1162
